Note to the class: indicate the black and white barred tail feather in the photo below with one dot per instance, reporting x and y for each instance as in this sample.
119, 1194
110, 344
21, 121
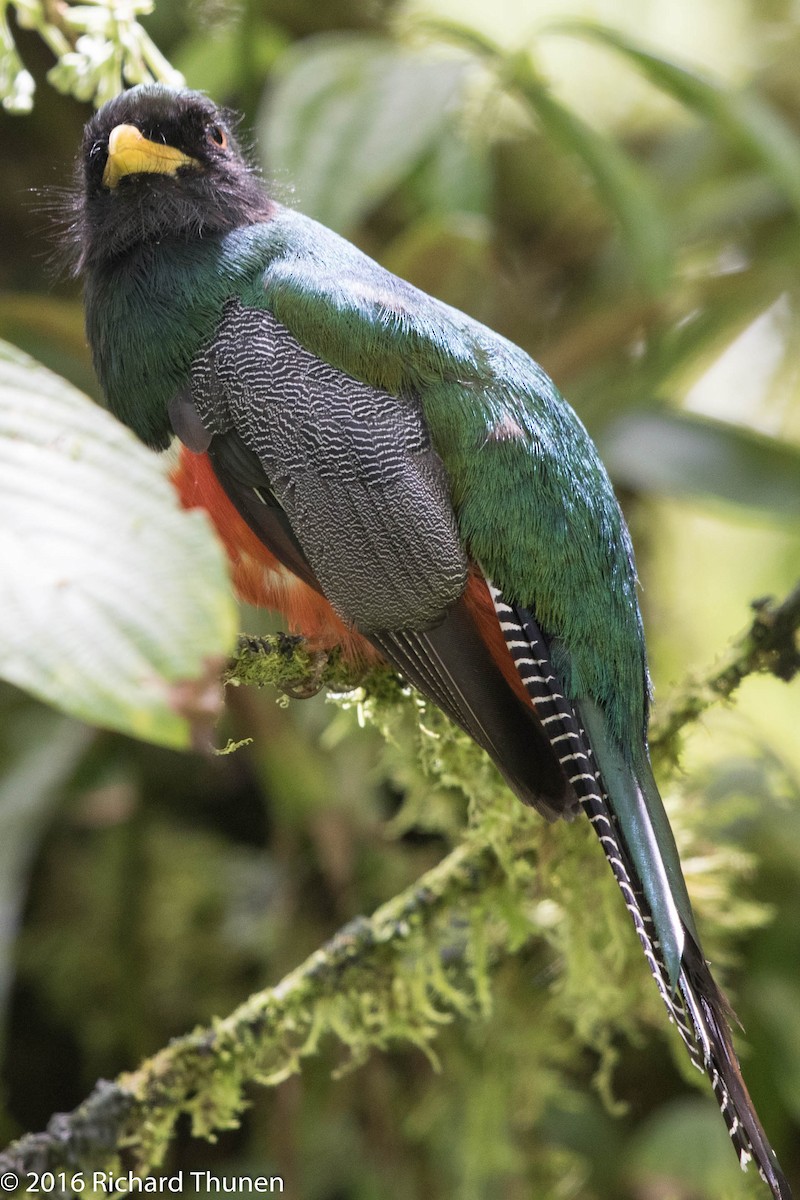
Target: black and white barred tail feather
696, 1005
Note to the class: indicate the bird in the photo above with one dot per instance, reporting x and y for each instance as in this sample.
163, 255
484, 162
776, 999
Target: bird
400, 480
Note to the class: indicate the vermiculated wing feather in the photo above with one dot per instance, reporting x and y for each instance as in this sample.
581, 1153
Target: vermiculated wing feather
692, 998
340, 482
351, 466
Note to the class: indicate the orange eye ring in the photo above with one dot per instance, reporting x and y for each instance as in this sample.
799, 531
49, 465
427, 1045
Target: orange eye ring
217, 135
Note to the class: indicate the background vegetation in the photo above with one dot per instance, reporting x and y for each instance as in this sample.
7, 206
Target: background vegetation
625, 205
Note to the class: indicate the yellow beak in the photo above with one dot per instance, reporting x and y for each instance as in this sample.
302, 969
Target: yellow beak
131, 153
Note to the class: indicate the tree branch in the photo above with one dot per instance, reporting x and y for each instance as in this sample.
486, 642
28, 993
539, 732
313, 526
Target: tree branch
376, 981
398, 976
769, 646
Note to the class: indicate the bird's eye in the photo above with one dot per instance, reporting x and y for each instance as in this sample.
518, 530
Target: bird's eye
217, 135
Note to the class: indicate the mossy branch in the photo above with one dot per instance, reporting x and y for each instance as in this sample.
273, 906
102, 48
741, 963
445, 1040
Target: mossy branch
397, 977
769, 646
376, 982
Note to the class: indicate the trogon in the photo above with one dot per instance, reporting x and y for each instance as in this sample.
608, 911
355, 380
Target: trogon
398, 479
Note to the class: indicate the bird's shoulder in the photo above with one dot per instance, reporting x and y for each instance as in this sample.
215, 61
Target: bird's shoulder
476, 387
349, 310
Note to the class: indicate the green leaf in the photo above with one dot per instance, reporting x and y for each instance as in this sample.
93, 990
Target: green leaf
683, 1150
27, 791
624, 190
685, 455
622, 187
753, 126
455, 177
114, 603
350, 117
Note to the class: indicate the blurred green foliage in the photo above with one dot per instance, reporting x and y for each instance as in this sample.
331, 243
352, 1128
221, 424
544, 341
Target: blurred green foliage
650, 261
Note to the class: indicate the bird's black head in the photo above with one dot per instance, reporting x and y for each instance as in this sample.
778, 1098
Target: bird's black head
158, 164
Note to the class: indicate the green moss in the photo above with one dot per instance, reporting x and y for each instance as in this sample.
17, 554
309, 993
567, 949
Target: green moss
438, 952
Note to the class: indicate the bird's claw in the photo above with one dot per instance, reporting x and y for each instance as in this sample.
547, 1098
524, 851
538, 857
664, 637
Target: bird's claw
311, 684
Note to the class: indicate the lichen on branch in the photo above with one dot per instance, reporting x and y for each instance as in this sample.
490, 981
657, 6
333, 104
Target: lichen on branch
426, 957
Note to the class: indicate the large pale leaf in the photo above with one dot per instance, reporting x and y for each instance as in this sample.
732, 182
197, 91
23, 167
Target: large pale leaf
350, 117
681, 454
112, 599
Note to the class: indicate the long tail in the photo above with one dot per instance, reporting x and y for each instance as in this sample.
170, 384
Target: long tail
692, 998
